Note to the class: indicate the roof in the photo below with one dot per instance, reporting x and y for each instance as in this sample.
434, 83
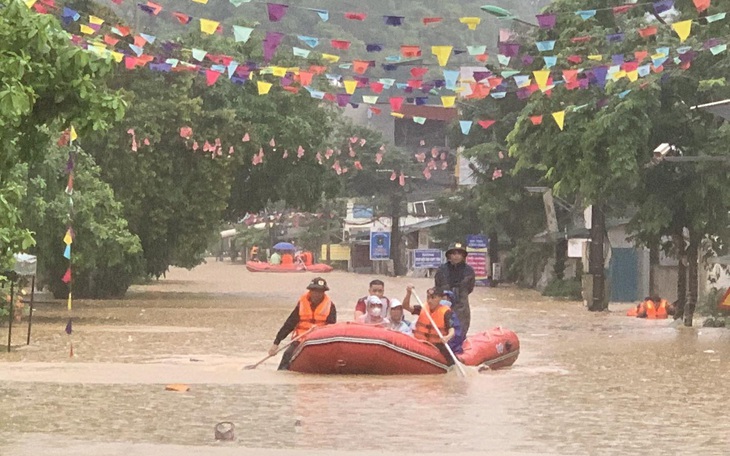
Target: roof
424, 225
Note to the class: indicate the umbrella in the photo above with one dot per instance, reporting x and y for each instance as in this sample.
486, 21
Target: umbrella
284, 246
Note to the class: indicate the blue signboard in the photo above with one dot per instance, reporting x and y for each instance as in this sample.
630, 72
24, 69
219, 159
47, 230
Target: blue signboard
427, 258
379, 245
477, 241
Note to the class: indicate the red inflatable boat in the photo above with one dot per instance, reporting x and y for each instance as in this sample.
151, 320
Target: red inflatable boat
350, 348
261, 266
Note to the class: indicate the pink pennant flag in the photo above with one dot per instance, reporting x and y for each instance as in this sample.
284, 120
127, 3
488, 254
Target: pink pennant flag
402, 179
421, 157
434, 152
486, 123
352, 152
396, 103
444, 165
286, 154
230, 150
67, 276
300, 152
353, 139
378, 157
146, 141
211, 76
358, 165
246, 138
393, 176
186, 132
427, 173
195, 145
319, 158
328, 153
362, 142
272, 143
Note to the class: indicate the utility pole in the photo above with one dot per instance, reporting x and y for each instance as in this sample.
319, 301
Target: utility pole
596, 259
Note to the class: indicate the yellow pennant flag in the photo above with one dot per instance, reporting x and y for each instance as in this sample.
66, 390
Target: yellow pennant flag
68, 304
331, 58
683, 29
471, 22
67, 239
72, 134
208, 26
263, 87
29, 3
541, 78
448, 102
442, 53
95, 20
632, 75
86, 29
350, 86
596, 57
397, 114
618, 75
279, 72
559, 118
118, 57
204, 2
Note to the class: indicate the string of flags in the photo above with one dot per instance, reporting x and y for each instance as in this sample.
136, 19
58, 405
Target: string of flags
68, 138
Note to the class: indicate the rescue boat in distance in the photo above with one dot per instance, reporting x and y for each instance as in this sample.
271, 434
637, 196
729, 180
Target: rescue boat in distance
261, 266
356, 349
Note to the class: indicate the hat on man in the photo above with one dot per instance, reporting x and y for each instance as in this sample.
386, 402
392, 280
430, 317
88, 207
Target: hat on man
374, 300
456, 247
318, 283
395, 303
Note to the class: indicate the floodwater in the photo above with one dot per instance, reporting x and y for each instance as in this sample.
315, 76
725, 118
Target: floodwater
584, 384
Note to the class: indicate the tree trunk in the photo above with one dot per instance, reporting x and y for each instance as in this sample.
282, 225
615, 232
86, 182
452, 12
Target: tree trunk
395, 237
681, 275
596, 259
693, 276
561, 254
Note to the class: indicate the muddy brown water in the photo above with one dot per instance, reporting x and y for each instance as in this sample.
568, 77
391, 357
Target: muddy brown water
584, 383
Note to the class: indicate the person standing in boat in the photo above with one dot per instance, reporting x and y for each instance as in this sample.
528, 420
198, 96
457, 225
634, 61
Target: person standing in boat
397, 320
375, 316
441, 315
376, 288
457, 342
457, 276
314, 308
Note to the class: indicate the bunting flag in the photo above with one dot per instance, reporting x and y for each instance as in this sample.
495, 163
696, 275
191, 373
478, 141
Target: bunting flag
242, 34
276, 11
263, 87
559, 119
470, 22
442, 53
207, 26
682, 29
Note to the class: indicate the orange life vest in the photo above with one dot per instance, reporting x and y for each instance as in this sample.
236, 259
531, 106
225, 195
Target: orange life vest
287, 259
309, 317
636, 310
308, 257
656, 312
425, 330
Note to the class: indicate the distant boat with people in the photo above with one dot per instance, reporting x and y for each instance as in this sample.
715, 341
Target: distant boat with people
262, 266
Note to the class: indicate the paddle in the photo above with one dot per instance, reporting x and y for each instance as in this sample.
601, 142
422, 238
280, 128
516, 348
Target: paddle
254, 366
457, 363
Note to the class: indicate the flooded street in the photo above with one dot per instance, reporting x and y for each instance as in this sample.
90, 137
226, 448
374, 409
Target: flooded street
584, 383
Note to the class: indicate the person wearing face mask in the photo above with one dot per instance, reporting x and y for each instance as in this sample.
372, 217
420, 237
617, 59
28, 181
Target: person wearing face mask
374, 314
375, 288
397, 321
314, 308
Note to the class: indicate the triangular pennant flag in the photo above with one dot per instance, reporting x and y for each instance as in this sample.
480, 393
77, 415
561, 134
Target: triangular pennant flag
276, 11
646, 32
683, 29
67, 276
586, 14
309, 40
324, 15
442, 53
393, 20
340, 44
419, 120
184, 19
208, 26
350, 86
67, 238
701, 5
476, 50
370, 99
541, 78
67, 252
396, 103
715, 17
431, 20
85, 29
486, 123
448, 102
211, 76
546, 21
241, 34
559, 118
536, 120
72, 134
471, 22
465, 126
263, 87
356, 16
544, 46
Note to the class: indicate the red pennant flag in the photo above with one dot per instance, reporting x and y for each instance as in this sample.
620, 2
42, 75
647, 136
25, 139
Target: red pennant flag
410, 51
646, 32
184, 19
317, 69
356, 16
701, 5
431, 20
340, 44
123, 31
211, 76
186, 132
581, 39
155, 8
575, 59
67, 277
130, 62
478, 91
402, 179
374, 110
39, 8
393, 176
418, 72
377, 87
414, 83
621, 9
360, 66
291, 89
536, 120
139, 41
482, 57
640, 55
486, 123
358, 165
110, 40
396, 103
305, 78
630, 66
570, 75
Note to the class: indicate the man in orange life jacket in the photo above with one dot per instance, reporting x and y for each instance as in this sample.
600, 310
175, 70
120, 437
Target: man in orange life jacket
442, 316
654, 308
314, 308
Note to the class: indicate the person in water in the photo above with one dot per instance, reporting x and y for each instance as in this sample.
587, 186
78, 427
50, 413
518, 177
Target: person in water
397, 319
457, 276
376, 288
459, 337
375, 314
314, 308
441, 316
652, 308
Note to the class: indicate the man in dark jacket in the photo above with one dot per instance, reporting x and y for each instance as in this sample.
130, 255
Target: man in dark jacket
459, 277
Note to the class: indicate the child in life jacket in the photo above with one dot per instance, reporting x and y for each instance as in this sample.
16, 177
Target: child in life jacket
459, 337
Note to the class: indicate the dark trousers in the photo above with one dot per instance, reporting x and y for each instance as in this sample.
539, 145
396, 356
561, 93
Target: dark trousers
445, 352
286, 357
464, 314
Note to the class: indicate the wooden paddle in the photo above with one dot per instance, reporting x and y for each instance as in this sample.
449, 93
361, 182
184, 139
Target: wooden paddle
254, 366
457, 363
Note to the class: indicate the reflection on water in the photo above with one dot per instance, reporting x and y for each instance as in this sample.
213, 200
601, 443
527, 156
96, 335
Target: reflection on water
584, 383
